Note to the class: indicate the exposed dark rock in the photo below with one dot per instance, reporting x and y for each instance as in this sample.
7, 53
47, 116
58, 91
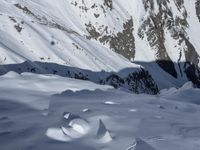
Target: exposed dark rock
18, 28
136, 81
124, 42
44, 21
197, 4
153, 29
52, 43
193, 74
167, 66
109, 4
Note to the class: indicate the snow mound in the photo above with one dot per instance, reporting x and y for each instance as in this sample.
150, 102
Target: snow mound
186, 86
11, 74
74, 126
57, 134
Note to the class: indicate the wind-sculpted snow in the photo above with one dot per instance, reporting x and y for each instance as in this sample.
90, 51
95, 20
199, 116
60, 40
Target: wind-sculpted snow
51, 112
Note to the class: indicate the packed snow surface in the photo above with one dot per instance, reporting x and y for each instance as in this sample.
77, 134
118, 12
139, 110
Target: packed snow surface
40, 112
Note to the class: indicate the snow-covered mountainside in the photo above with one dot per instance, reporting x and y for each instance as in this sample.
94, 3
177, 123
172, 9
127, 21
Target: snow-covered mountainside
99, 74
160, 36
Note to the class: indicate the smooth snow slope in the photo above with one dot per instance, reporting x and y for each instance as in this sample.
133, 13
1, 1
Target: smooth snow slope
57, 23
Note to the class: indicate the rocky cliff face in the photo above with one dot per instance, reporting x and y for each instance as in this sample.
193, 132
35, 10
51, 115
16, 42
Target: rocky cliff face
105, 35
197, 4
164, 26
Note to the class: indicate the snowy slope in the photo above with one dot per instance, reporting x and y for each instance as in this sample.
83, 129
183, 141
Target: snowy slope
61, 27
70, 71
105, 35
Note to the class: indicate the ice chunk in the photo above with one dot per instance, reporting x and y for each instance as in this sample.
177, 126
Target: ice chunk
74, 126
103, 134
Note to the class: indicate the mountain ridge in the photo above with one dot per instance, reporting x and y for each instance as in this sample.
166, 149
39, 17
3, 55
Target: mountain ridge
105, 35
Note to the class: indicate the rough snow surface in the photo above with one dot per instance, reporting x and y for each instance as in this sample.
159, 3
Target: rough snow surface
79, 119
23, 86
